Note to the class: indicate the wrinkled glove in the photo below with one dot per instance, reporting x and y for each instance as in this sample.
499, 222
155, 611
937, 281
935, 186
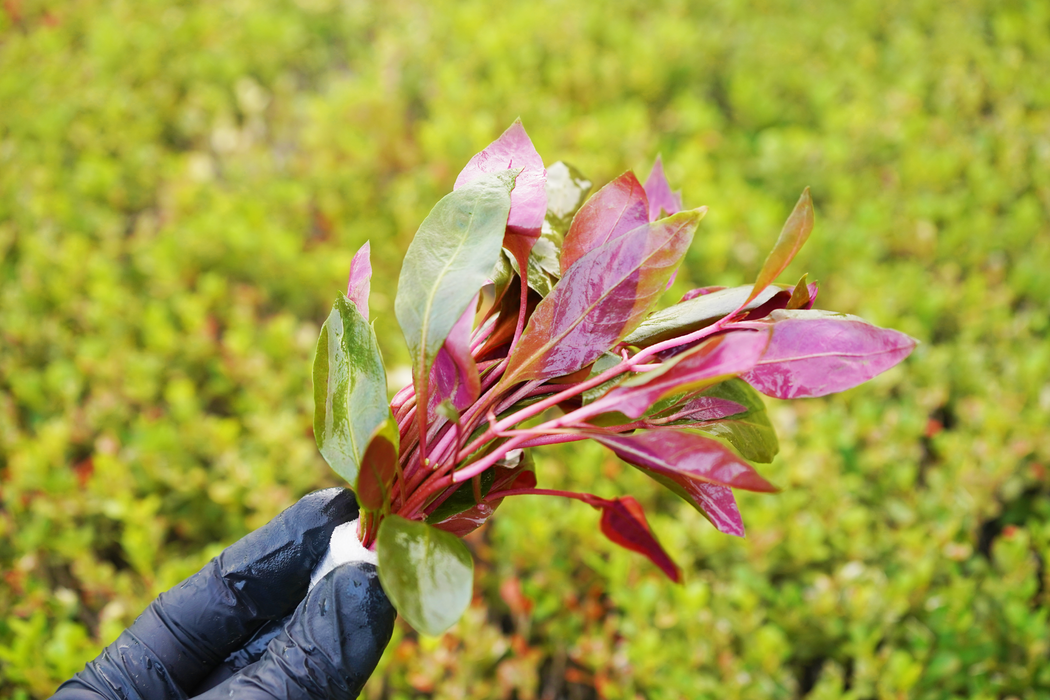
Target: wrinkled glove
244, 627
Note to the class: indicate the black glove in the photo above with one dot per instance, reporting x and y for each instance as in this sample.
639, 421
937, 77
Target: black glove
244, 626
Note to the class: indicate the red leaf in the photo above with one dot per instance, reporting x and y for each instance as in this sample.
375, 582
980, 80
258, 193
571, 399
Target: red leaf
601, 298
378, 468
623, 522
683, 452
613, 211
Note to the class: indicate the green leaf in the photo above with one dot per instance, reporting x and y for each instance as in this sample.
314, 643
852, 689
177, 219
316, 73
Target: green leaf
543, 266
350, 400
792, 237
452, 255
378, 468
751, 433
567, 189
427, 573
462, 498
696, 313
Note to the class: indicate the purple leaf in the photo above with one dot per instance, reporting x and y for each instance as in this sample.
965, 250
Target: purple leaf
600, 299
623, 522
710, 362
814, 353
704, 408
659, 193
616, 209
683, 452
454, 374
513, 150
360, 275
714, 501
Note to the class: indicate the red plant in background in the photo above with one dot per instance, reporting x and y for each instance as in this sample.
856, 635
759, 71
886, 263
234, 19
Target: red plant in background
514, 299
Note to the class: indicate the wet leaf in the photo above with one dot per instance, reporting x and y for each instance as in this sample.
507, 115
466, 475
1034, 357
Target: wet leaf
714, 501
695, 313
600, 298
711, 362
616, 209
685, 452
814, 353
350, 399
427, 573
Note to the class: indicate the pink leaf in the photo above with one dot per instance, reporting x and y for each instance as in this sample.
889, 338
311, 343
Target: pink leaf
614, 210
680, 452
814, 353
454, 374
513, 150
705, 408
710, 362
360, 275
601, 298
699, 292
659, 193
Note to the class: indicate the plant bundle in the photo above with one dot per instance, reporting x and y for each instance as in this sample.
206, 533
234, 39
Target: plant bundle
528, 311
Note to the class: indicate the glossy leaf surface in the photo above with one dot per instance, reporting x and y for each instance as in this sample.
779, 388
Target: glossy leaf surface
360, 278
814, 353
513, 150
567, 189
473, 517
350, 400
616, 209
623, 522
427, 573
710, 362
450, 258
378, 468
750, 431
600, 298
684, 452
714, 501
792, 237
454, 374
658, 191
695, 313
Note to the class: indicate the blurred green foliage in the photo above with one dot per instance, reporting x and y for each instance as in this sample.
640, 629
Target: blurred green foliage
183, 184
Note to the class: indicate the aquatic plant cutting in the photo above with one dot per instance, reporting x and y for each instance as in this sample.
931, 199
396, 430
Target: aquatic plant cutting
528, 309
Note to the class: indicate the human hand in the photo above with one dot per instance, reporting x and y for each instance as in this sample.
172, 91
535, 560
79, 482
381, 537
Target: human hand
245, 627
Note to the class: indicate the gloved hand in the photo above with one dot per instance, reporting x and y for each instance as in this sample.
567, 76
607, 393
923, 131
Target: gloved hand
245, 628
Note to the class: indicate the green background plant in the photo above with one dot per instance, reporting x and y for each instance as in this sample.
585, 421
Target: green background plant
183, 184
